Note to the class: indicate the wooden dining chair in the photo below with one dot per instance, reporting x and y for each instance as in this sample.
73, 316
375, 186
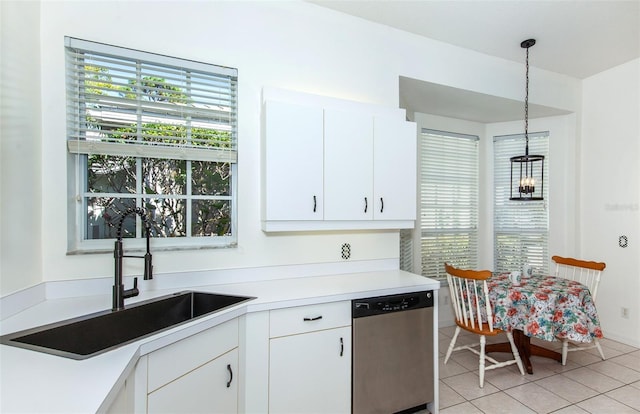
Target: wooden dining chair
475, 316
588, 273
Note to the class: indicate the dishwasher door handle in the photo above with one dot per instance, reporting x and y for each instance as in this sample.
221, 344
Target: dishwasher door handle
317, 318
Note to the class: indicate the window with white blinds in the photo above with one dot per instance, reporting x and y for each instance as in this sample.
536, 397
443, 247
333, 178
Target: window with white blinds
152, 131
128, 102
521, 228
449, 179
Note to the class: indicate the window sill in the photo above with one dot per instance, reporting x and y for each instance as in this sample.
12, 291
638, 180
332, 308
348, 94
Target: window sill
138, 249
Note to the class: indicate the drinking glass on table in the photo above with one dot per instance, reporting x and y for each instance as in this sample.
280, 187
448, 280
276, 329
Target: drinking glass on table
515, 277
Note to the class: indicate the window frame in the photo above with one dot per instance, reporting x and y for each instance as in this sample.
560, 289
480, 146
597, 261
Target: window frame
189, 151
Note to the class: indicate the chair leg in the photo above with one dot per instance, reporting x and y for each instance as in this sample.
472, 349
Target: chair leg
565, 351
452, 344
483, 341
516, 354
599, 348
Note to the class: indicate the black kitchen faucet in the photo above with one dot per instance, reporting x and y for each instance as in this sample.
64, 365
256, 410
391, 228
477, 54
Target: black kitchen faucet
119, 292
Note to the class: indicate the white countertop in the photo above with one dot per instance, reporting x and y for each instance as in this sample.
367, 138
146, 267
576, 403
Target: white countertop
37, 382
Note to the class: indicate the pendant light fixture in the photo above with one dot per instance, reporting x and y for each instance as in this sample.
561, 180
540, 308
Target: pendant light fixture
527, 184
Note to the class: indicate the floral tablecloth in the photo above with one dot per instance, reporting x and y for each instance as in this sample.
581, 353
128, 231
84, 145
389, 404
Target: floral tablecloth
544, 307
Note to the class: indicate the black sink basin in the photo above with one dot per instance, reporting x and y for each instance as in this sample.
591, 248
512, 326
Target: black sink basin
93, 334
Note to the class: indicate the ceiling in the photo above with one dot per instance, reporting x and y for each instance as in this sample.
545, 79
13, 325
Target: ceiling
578, 38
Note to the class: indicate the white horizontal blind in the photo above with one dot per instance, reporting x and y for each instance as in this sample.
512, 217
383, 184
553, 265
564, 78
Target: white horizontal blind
406, 250
521, 228
448, 201
133, 103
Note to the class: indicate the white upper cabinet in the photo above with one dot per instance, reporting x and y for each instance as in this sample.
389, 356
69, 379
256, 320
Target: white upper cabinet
330, 164
348, 165
292, 162
395, 170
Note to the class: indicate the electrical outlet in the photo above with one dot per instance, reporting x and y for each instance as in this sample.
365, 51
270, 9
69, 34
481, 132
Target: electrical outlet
624, 312
345, 251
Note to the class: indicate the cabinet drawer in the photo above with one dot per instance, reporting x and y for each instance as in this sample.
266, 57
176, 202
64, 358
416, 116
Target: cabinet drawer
170, 362
309, 318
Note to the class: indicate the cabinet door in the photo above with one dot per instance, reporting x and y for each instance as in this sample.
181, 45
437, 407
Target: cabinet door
192, 352
293, 162
395, 171
311, 373
211, 388
348, 165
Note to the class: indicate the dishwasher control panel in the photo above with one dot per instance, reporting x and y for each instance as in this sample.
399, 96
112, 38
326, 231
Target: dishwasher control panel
392, 303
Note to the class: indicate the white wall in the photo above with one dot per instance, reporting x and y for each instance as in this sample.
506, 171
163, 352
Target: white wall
610, 193
20, 146
294, 45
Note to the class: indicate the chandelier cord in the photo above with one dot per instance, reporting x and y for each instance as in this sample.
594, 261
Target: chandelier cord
526, 107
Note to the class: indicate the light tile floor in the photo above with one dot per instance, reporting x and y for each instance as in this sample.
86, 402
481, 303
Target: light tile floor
587, 384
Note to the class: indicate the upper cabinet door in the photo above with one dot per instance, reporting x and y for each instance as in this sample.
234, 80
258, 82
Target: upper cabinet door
348, 165
395, 172
293, 162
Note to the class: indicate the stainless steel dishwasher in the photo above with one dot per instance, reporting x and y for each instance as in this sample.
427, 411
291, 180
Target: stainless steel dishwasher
392, 353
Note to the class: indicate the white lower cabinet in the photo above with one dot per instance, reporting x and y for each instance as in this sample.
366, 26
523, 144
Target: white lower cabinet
288, 360
124, 401
198, 374
311, 373
210, 388
310, 359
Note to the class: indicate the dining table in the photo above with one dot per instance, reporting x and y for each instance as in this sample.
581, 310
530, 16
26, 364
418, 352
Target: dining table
545, 307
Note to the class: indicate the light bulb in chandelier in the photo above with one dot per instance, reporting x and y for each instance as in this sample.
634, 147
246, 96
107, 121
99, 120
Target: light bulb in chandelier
527, 185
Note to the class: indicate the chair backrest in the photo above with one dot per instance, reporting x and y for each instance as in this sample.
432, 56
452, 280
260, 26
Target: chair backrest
586, 272
465, 286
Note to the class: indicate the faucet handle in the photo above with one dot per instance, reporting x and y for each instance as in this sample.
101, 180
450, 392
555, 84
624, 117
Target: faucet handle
129, 293
148, 266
